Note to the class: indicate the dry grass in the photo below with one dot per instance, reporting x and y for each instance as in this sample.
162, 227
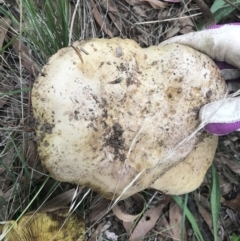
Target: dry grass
25, 186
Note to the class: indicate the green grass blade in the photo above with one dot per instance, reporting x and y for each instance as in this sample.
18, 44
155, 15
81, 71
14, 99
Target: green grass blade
8, 44
21, 158
235, 237
189, 216
215, 201
221, 9
64, 15
184, 217
14, 92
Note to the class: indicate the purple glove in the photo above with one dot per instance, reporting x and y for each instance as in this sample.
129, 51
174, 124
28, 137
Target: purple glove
222, 44
223, 117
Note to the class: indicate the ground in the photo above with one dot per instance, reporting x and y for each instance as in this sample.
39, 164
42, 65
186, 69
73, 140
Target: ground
25, 185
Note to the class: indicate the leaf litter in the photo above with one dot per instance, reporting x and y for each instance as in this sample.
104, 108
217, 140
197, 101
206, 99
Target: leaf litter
147, 22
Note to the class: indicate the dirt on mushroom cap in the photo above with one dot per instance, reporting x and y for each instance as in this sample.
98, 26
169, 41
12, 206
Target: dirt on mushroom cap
108, 110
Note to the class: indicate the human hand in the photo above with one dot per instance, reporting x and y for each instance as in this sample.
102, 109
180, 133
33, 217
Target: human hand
221, 43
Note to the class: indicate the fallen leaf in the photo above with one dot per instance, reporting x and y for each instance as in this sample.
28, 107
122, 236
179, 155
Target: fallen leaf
233, 203
97, 232
230, 177
99, 19
123, 214
7, 162
225, 185
232, 165
128, 226
175, 218
156, 4
4, 25
185, 23
146, 223
206, 216
172, 31
27, 59
163, 227
30, 153
173, 1
203, 201
132, 2
113, 13
140, 12
60, 201
98, 210
32, 158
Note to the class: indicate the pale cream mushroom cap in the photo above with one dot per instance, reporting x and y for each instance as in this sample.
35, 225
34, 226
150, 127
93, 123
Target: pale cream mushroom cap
187, 175
108, 111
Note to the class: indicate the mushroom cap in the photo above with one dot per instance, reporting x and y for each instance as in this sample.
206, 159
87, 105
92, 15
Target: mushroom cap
112, 115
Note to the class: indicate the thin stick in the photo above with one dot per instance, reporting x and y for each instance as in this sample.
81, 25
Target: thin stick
167, 20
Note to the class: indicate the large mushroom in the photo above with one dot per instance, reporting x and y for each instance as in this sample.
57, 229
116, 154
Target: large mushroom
116, 117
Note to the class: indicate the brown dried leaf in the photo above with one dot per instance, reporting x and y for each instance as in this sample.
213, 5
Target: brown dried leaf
32, 157
7, 161
60, 201
128, 226
99, 19
185, 23
123, 215
232, 165
26, 57
233, 204
30, 153
113, 14
4, 24
132, 2
203, 201
207, 217
173, 1
146, 223
163, 227
97, 232
156, 4
175, 218
230, 177
8, 195
172, 31
99, 210
225, 185
6, 198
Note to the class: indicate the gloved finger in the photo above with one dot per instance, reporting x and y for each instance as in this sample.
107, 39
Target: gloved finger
228, 71
221, 117
220, 43
231, 74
